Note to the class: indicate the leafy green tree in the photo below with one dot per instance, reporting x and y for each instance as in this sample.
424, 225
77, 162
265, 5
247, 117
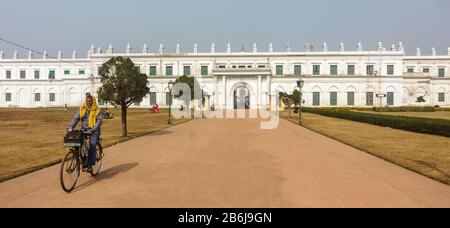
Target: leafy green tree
122, 85
290, 100
193, 85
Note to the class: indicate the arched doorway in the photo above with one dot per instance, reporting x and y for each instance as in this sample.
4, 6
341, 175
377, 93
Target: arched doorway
241, 98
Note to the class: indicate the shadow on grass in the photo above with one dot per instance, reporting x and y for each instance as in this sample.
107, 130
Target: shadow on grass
107, 174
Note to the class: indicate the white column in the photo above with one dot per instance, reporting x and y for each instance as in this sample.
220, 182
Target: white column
224, 92
259, 95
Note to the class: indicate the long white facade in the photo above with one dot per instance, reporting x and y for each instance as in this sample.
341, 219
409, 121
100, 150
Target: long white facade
332, 78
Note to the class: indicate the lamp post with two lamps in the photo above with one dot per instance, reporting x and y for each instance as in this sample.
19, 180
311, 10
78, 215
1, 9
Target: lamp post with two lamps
300, 84
170, 86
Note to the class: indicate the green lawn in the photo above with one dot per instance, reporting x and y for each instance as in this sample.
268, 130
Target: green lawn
425, 154
33, 138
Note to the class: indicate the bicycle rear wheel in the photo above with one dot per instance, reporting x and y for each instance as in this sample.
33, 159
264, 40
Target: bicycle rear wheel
98, 161
70, 171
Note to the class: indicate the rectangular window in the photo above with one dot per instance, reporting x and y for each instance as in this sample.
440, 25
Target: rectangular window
138, 68
152, 71
441, 97
37, 74
37, 97
410, 70
222, 67
333, 98
316, 98
152, 98
168, 98
66, 72
316, 70
8, 74
169, 70
333, 70
51, 74
390, 70
279, 70
52, 97
441, 73
186, 70
426, 70
370, 70
23, 74
350, 98
261, 66
81, 72
298, 70
351, 69
8, 97
369, 98
204, 70
390, 98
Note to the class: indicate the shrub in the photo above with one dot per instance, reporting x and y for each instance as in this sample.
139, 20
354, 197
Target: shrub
404, 109
414, 124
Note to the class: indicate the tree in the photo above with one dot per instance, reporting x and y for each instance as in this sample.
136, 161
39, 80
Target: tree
419, 100
122, 85
193, 85
289, 100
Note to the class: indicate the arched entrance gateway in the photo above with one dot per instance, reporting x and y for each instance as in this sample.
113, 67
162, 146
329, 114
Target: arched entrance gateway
241, 98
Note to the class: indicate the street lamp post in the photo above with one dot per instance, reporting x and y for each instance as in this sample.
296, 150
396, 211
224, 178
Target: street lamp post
170, 101
300, 84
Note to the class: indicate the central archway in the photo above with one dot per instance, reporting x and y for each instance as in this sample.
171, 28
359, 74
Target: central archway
241, 98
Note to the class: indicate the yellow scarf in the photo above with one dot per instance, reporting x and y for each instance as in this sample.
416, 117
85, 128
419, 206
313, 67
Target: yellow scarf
94, 111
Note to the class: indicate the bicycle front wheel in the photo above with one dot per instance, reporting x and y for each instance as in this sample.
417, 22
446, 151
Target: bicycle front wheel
70, 171
98, 161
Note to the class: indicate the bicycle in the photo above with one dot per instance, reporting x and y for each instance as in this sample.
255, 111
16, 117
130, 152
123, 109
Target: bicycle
76, 159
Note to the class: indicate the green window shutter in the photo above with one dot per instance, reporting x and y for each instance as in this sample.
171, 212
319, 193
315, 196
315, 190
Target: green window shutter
297, 70
8, 97
351, 69
333, 69
81, 72
441, 97
350, 98
369, 98
37, 97
52, 97
316, 98
390, 98
316, 70
51, 74
152, 71
410, 70
23, 74
169, 70
370, 69
36, 74
152, 98
390, 69
204, 70
333, 98
66, 72
8, 74
279, 70
441, 73
168, 98
186, 70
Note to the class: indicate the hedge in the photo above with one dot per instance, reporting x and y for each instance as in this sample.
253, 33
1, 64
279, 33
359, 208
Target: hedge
405, 109
414, 124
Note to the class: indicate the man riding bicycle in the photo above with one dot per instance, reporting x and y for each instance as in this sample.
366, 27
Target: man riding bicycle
91, 120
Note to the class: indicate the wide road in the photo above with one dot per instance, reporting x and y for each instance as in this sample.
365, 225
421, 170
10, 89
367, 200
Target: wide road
232, 163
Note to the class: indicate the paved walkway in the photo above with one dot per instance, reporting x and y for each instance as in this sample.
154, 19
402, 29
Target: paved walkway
232, 163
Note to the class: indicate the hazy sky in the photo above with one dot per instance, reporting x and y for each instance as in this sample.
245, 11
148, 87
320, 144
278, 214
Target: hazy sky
68, 25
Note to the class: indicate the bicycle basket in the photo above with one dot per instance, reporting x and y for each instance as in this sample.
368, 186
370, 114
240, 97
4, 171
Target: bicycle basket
73, 139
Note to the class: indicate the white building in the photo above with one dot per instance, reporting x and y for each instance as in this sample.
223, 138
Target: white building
332, 78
